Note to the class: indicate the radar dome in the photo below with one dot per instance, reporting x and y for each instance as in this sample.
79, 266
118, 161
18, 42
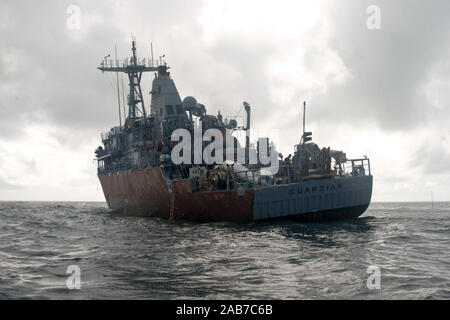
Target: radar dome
189, 103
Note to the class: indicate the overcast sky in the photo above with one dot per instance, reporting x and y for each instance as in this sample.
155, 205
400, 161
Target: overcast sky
384, 93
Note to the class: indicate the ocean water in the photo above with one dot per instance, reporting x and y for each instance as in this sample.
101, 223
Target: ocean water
143, 258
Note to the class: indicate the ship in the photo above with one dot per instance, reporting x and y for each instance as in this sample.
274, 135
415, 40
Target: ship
168, 161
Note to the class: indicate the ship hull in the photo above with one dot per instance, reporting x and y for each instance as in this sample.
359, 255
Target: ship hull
147, 193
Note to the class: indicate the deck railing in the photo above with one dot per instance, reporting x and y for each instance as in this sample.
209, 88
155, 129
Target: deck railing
356, 167
143, 62
250, 178
351, 167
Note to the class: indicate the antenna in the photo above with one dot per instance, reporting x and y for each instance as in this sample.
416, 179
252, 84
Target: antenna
133, 42
106, 59
304, 115
151, 49
247, 131
123, 97
306, 136
118, 89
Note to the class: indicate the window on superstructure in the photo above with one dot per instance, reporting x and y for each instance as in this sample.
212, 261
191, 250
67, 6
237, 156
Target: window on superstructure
169, 109
179, 109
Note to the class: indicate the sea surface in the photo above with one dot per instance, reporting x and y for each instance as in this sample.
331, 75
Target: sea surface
121, 257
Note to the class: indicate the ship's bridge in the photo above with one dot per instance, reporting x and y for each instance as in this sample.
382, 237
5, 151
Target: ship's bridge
166, 101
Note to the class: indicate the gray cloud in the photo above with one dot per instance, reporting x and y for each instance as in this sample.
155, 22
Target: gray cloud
398, 76
388, 67
7, 186
432, 158
48, 74
52, 74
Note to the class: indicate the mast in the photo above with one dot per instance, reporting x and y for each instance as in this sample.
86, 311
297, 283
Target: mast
118, 90
306, 136
247, 130
134, 70
247, 110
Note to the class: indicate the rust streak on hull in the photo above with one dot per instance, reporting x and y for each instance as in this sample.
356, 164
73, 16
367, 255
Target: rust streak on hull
137, 192
211, 206
146, 193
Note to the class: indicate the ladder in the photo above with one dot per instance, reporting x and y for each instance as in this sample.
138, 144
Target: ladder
172, 202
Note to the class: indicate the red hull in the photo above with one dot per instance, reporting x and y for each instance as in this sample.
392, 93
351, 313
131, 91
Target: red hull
146, 193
